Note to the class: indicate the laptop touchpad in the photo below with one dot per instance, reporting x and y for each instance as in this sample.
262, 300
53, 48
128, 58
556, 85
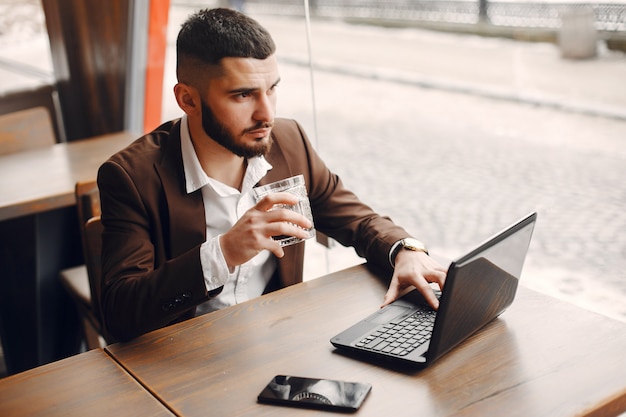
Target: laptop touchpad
387, 314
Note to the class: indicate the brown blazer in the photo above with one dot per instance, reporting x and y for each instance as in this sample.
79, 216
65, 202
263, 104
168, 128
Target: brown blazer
153, 229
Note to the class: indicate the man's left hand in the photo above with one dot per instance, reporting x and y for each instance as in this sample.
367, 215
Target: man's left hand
415, 269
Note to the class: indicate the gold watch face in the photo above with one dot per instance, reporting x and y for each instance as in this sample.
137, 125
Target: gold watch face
414, 244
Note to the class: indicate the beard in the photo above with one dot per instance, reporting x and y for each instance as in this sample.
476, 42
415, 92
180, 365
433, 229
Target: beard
220, 134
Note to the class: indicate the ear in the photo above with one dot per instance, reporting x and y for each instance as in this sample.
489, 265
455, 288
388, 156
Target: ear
187, 98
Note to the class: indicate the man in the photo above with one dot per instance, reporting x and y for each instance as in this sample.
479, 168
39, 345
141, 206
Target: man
182, 233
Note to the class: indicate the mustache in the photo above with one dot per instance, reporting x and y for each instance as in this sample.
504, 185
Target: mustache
261, 125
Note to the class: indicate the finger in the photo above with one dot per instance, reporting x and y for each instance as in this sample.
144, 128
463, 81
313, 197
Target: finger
280, 216
429, 295
438, 277
284, 229
269, 201
275, 248
393, 293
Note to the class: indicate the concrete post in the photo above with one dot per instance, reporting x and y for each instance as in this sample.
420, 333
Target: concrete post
578, 36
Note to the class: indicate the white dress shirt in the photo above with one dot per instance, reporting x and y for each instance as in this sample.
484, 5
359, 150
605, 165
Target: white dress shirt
223, 206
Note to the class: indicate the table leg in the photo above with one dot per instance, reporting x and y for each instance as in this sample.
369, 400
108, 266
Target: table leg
38, 321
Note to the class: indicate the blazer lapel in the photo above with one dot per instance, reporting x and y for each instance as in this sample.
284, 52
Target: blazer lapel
185, 212
291, 265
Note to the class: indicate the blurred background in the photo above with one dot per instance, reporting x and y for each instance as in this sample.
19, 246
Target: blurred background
454, 118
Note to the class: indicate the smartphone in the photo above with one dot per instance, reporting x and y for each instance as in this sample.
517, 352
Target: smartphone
321, 394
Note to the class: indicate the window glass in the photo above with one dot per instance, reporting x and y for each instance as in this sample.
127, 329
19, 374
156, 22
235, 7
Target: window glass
25, 61
456, 118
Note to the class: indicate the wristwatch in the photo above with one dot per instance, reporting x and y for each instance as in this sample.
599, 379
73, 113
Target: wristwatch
406, 244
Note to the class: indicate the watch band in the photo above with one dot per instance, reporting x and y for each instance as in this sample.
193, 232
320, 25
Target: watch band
408, 244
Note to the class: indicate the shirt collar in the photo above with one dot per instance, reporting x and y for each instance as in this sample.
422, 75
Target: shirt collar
196, 178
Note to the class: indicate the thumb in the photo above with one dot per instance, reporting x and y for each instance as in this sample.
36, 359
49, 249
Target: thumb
390, 296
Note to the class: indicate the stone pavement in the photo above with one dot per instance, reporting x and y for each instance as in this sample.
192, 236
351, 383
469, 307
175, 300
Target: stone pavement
455, 137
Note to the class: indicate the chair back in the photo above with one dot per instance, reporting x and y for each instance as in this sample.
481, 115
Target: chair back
87, 201
26, 129
88, 211
92, 232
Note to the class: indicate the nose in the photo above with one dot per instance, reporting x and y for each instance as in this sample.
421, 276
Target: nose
266, 108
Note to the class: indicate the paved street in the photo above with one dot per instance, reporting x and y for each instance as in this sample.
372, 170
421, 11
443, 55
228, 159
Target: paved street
455, 137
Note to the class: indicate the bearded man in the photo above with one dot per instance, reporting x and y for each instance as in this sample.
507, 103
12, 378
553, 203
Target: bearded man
183, 234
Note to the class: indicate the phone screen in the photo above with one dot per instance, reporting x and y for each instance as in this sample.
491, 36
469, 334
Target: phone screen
325, 394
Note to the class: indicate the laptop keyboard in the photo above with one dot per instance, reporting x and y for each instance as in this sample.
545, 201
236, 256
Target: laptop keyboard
403, 337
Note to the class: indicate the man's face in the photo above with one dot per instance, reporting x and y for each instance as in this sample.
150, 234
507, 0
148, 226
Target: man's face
240, 105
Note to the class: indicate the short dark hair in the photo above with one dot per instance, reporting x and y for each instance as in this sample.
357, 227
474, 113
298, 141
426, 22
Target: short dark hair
209, 35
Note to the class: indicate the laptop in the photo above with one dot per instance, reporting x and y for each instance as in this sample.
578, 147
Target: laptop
480, 286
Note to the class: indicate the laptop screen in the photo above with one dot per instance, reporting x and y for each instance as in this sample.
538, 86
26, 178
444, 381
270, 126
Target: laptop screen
480, 286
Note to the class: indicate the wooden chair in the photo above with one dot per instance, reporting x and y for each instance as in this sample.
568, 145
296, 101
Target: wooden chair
83, 282
26, 129
93, 261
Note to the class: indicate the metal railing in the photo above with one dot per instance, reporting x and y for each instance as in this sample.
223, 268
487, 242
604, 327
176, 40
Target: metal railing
609, 17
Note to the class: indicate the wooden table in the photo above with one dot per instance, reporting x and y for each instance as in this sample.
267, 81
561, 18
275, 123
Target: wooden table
542, 357
38, 238
89, 384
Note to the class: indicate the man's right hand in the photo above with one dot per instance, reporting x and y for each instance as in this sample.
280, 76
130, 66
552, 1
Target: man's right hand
254, 230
